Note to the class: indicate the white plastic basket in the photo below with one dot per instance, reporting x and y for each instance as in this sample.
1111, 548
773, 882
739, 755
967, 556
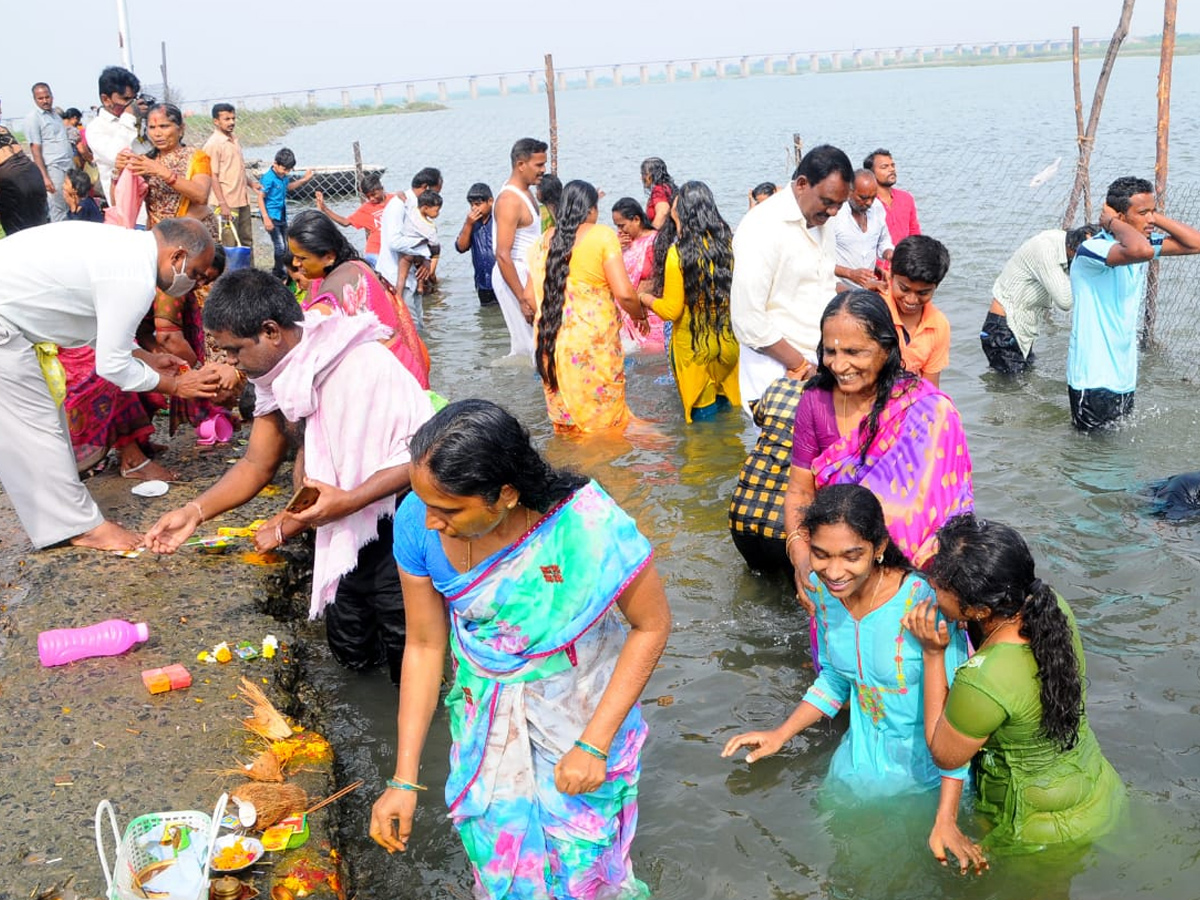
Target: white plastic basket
133, 855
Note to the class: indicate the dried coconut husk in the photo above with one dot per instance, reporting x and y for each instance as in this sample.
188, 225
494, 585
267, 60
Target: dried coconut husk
266, 721
272, 802
266, 767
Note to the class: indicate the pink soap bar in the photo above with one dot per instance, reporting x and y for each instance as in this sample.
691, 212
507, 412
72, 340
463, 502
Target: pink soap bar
168, 678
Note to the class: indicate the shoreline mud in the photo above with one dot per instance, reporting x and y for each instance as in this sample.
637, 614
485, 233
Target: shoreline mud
74, 735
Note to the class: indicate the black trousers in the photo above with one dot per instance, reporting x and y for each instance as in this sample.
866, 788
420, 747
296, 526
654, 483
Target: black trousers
1000, 346
762, 554
365, 623
1096, 407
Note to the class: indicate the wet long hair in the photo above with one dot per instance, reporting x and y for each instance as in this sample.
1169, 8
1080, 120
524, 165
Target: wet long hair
872, 313
473, 448
664, 240
172, 112
988, 565
858, 509
317, 233
578, 199
705, 247
656, 169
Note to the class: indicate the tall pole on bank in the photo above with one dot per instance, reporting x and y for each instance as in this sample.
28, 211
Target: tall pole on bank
1089, 138
553, 113
123, 34
1160, 158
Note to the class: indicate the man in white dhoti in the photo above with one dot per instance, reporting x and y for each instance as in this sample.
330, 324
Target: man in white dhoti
517, 226
70, 284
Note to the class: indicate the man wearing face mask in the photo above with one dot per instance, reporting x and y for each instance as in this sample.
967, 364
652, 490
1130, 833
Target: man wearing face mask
70, 284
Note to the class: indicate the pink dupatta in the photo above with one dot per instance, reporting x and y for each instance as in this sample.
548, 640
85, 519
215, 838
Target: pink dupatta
918, 466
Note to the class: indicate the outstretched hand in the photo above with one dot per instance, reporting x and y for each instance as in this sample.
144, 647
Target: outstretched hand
761, 743
392, 819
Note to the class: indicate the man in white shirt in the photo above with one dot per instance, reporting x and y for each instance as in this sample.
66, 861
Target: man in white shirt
861, 231
72, 284
784, 277
115, 127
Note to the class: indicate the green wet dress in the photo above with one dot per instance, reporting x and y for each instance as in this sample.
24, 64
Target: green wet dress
1034, 793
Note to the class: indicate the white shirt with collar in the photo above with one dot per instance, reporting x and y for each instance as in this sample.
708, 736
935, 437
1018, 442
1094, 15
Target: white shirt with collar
391, 233
858, 249
782, 281
107, 136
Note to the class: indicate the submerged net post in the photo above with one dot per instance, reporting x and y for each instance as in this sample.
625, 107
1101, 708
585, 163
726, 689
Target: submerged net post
1080, 132
358, 168
553, 113
1162, 143
1089, 139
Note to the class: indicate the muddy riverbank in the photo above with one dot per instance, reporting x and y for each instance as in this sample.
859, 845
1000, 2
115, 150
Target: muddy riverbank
73, 735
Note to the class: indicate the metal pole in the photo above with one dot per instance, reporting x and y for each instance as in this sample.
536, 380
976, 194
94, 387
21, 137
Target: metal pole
1160, 159
553, 113
123, 35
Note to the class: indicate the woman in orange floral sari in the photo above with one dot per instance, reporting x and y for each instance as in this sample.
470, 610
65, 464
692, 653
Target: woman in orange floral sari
577, 325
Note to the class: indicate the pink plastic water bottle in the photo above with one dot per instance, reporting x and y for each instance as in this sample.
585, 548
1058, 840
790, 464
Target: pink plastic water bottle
63, 645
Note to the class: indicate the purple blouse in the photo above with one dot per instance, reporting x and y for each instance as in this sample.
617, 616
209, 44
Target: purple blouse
816, 427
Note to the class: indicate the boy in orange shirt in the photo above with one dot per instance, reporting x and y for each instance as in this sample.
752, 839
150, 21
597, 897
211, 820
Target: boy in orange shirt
919, 263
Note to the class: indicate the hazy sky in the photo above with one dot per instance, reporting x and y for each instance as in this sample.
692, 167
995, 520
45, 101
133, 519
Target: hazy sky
265, 47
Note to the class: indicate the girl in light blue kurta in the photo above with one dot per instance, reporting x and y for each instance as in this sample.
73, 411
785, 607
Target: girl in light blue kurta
869, 662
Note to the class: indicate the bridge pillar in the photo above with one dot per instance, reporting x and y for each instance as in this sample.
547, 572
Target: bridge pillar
410, 93
379, 95
791, 64
644, 74
616, 75
473, 87
443, 94
589, 77
814, 63
503, 86
670, 73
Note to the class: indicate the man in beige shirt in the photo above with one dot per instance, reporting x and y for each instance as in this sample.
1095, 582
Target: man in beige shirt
784, 278
230, 195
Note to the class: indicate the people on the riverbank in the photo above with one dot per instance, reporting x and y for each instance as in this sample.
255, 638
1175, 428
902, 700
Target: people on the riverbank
865, 419
533, 565
919, 265
368, 217
394, 263
70, 284
476, 236
699, 270
863, 586
1018, 708
417, 243
1108, 278
516, 227
900, 205
661, 187
863, 241
784, 277
579, 354
231, 184
359, 408
51, 149
339, 280
1035, 280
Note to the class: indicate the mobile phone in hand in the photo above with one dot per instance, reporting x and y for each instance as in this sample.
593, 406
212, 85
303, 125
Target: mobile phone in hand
302, 499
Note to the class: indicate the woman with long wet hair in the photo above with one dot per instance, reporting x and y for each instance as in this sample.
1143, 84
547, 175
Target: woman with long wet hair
661, 187
1017, 707
577, 325
697, 275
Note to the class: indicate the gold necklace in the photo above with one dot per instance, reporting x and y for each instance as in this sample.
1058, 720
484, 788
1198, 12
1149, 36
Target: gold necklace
528, 525
874, 595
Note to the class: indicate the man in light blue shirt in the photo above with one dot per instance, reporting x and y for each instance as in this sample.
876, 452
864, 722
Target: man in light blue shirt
1108, 278
50, 147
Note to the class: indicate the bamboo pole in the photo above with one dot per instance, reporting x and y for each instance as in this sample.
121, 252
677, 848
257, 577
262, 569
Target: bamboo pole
1162, 144
358, 168
797, 149
1079, 127
553, 113
1089, 138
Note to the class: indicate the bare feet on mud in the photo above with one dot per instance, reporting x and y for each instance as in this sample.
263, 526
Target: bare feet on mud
107, 536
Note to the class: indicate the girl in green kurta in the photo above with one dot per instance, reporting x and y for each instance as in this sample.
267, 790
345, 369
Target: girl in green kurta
1017, 705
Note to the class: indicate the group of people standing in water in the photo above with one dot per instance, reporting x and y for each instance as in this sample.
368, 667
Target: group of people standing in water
958, 664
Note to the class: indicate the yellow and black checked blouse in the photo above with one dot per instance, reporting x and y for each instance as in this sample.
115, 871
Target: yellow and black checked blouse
757, 504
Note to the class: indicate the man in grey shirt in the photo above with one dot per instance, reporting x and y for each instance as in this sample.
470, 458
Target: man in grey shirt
51, 148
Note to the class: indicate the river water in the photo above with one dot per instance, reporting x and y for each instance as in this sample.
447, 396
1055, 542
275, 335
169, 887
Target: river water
967, 141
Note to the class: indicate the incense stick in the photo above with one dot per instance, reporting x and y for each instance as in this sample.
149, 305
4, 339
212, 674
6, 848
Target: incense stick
338, 796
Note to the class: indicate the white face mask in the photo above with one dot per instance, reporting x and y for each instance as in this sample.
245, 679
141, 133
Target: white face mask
180, 283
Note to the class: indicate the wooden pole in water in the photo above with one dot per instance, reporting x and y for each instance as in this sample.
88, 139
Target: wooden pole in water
797, 150
1079, 128
358, 168
553, 113
1160, 158
1089, 138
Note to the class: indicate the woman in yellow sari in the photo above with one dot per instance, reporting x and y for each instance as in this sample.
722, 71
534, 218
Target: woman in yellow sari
696, 281
577, 325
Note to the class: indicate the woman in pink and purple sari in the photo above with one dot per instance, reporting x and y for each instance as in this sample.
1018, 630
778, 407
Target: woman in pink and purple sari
864, 420
523, 569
